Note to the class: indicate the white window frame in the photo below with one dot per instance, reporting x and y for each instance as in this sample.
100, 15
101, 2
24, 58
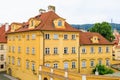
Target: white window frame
27, 37
47, 65
33, 50
56, 36
73, 36
27, 50
55, 50
92, 63
73, 65
55, 65
13, 49
83, 64
107, 62
73, 50
18, 61
19, 49
47, 36
33, 36
33, 66
13, 60
47, 50
107, 49
100, 62
27, 64
100, 49
59, 23
66, 65
91, 49
65, 36
83, 50
65, 50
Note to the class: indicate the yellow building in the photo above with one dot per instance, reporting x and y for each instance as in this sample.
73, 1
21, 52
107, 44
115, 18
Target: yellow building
3, 48
46, 39
94, 49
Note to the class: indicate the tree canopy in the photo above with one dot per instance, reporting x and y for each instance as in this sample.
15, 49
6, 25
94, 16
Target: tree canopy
104, 29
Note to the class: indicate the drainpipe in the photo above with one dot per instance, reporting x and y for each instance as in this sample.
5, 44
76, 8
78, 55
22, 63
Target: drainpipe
43, 48
79, 59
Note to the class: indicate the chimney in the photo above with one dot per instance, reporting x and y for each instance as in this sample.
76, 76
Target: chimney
51, 8
6, 26
42, 11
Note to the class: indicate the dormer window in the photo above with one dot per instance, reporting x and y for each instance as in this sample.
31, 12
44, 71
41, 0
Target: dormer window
59, 23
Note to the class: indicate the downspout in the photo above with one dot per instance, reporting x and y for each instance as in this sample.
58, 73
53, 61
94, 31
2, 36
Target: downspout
43, 48
79, 58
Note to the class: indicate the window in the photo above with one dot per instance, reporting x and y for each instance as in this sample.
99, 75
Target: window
91, 49
33, 36
100, 62
27, 64
47, 36
55, 50
31, 22
1, 66
107, 49
27, 50
9, 59
33, 50
73, 49
83, 64
99, 49
47, 65
55, 65
13, 49
19, 37
65, 36
83, 50
55, 36
27, 37
9, 49
18, 62
73, 37
65, 50
92, 63
73, 65
1, 47
2, 57
19, 49
33, 66
59, 23
13, 59
65, 65
47, 50
107, 62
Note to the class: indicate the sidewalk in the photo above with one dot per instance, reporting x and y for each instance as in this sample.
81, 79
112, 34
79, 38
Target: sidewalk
10, 77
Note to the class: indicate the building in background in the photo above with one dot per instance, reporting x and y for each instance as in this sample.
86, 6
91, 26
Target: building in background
3, 47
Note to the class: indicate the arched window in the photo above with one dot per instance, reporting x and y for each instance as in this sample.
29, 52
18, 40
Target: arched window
59, 23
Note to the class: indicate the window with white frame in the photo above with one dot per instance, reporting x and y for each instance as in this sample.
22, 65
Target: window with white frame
59, 23
13, 60
65, 50
55, 50
27, 37
33, 66
55, 36
83, 50
73, 37
73, 64
47, 65
27, 50
13, 49
83, 64
2, 57
92, 63
33, 50
91, 49
33, 36
65, 36
55, 65
73, 50
65, 65
27, 64
107, 62
1, 47
18, 62
100, 62
19, 49
47, 50
19, 37
9, 59
99, 49
47, 36
107, 49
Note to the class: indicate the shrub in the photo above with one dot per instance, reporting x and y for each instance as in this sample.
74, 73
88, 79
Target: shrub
102, 70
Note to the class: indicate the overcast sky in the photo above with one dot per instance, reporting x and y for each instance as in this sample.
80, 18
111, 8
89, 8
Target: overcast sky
74, 11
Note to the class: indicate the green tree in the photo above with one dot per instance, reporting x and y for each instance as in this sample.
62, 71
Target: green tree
104, 29
102, 70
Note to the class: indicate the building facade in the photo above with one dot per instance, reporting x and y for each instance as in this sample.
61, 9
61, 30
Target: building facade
48, 40
3, 48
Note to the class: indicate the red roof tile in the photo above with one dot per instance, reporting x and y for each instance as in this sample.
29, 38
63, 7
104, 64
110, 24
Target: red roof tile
85, 38
2, 34
47, 23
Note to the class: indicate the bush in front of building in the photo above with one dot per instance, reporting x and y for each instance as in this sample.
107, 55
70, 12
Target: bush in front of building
102, 69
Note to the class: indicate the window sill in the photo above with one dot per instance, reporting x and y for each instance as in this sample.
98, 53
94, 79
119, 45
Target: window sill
83, 53
84, 67
73, 53
65, 54
55, 54
55, 39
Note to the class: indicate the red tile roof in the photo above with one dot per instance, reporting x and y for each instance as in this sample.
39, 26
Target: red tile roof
46, 23
3, 38
85, 38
